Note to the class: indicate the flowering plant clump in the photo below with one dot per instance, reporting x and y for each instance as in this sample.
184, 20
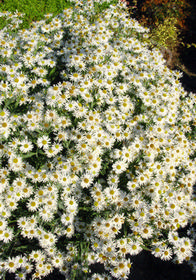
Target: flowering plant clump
97, 147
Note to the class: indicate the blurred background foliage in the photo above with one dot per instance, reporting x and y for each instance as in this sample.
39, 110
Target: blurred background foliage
167, 21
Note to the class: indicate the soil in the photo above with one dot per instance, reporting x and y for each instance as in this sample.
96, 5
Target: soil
147, 267
188, 55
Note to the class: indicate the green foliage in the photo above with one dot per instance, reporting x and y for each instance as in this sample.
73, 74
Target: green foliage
104, 5
33, 9
165, 34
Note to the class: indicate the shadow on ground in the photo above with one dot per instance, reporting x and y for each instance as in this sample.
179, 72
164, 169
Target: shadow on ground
147, 267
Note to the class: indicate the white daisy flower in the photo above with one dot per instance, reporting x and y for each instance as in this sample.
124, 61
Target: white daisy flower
26, 146
15, 163
43, 142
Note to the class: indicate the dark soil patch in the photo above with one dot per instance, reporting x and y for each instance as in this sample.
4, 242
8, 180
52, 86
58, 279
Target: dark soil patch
147, 267
188, 55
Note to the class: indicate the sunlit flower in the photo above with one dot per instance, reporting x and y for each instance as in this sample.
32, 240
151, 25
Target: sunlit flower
44, 142
26, 146
15, 163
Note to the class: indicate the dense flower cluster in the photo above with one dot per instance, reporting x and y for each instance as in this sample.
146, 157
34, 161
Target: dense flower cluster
96, 162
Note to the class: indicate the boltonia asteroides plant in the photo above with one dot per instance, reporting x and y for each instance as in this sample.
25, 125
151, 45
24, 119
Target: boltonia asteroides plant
97, 147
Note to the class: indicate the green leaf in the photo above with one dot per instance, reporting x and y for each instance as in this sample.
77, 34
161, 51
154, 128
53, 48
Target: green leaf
52, 71
28, 155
